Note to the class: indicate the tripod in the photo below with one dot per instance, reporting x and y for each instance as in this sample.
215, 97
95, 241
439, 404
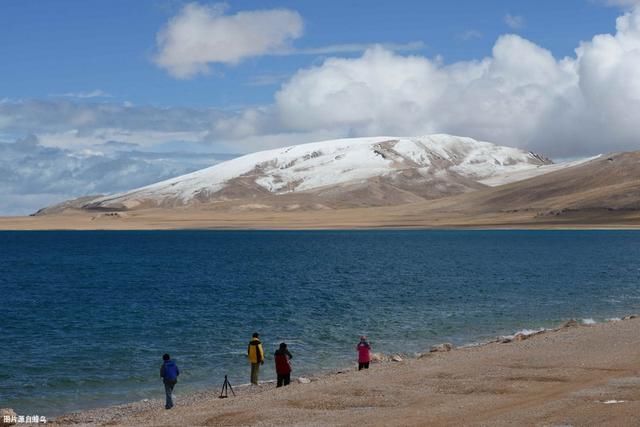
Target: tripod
226, 386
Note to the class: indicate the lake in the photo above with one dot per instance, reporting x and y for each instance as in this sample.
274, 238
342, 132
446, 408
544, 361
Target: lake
88, 315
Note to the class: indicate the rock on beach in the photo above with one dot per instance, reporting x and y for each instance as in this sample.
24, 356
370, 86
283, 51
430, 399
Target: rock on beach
378, 357
447, 346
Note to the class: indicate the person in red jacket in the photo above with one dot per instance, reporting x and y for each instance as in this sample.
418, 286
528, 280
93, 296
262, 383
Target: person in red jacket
364, 350
283, 367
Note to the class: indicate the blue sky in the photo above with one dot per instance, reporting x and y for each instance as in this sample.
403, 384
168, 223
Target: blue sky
102, 96
67, 46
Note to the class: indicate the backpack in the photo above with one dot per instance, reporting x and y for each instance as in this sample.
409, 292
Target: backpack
170, 370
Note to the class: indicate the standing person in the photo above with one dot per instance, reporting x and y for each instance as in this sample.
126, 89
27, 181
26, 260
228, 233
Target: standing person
255, 353
283, 367
364, 350
169, 373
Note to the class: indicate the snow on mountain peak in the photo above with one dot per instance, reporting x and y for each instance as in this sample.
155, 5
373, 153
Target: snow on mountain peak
340, 162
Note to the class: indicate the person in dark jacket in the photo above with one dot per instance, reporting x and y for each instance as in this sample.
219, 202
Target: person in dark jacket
283, 367
169, 373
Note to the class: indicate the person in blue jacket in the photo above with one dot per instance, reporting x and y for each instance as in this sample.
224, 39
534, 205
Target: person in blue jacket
169, 373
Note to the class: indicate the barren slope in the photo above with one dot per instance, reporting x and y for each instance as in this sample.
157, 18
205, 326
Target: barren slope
377, 171
606, 183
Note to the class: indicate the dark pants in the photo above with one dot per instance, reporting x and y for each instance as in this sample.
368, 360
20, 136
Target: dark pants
168, 389
283, 379
363, 366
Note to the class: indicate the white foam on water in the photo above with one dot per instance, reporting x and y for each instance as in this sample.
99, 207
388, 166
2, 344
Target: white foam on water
613, 319
611, 402
588, 321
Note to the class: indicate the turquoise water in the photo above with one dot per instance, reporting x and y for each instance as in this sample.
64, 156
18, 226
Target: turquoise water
88, 315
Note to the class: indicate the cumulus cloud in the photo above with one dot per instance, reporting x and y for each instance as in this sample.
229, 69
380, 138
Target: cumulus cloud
498, 98
521, 95
200, 35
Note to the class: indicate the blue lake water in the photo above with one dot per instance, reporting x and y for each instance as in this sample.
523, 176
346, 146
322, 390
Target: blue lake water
86, 316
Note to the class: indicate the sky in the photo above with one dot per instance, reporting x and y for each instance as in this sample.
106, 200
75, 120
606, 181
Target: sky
104, 96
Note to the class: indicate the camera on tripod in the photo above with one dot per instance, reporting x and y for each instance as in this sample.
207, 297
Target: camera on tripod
226, 386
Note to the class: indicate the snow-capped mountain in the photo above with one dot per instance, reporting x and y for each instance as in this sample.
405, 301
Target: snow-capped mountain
355, 171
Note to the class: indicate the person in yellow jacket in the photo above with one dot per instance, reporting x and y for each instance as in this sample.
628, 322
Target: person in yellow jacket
255, 353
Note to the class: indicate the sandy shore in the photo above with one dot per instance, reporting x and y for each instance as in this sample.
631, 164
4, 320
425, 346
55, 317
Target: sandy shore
580, 375
414, 216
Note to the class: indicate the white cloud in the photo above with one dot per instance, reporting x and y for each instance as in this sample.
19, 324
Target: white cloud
200, 35
33, 176
520, 96
74, 122
77, 140
385, 93
96, 93
515, 22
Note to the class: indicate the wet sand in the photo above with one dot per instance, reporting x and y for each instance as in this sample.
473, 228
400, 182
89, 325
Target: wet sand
578, 376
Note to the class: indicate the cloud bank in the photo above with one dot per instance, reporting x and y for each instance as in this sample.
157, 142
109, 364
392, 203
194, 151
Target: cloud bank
519, 96
33, 176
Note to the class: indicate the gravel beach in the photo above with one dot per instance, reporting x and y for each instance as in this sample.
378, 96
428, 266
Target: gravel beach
574, 375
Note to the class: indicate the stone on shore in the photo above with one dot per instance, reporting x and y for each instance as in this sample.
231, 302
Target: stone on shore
396, 358
572, 323
378, 357
442, 347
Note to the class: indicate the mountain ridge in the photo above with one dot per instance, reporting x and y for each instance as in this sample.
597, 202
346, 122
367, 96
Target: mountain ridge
350, 172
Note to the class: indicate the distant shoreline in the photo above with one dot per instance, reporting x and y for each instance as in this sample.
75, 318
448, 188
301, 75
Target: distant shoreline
347, 219
528, 378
